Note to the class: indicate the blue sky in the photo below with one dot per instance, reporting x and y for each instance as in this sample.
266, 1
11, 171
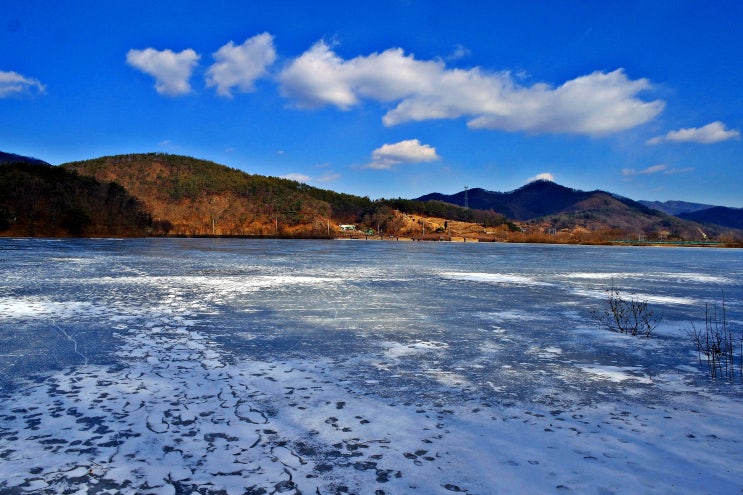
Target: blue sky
392, 98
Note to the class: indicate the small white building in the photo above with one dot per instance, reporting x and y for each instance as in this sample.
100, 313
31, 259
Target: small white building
347, 227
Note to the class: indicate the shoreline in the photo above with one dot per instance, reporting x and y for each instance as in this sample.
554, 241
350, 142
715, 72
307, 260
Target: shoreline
376, 238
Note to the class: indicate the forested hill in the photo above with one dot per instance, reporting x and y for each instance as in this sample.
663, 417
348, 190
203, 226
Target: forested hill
189, 196
717, 215
37, 199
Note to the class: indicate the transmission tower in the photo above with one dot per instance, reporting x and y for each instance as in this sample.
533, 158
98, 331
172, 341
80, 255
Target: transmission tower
466, 201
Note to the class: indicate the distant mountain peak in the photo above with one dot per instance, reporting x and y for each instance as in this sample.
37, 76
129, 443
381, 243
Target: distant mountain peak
540, 185
676, 207
722, 216
13, 158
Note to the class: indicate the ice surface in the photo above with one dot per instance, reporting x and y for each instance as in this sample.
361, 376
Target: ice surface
320, 367
494, 278
617, 374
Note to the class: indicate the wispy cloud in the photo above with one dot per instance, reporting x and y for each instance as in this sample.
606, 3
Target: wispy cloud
297, 177
714, 132
169, 145
656, 169
326, 177
13, 83
171, 70
459, 53
240, 66
594, 104
388, 156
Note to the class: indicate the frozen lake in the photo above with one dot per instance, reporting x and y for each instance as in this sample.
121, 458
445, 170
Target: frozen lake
250, 367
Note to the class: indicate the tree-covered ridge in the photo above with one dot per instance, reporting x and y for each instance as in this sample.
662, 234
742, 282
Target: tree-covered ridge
183, 176
441, 209
717, 215
197, 197
42, 200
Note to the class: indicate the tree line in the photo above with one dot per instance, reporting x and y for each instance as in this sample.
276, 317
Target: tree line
43, 200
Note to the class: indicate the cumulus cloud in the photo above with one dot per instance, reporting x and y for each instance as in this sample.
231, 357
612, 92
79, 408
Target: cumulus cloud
543, 176
13, 83
594, 104
319, 77
240, 66
409, 151
171, 70
708, 134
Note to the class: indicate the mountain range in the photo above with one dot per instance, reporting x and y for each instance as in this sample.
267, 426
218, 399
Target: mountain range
536, 199
162, 194
554, 203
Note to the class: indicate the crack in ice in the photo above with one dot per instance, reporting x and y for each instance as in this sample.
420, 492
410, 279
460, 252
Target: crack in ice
74, 343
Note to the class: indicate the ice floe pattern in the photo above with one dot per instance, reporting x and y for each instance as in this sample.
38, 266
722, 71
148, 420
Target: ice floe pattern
215, 366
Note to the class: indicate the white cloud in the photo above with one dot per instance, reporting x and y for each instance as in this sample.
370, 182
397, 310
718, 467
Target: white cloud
409, 151
171, 70
240, 66
714, 132
12, 83
594, 104
543, 176
320, 77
